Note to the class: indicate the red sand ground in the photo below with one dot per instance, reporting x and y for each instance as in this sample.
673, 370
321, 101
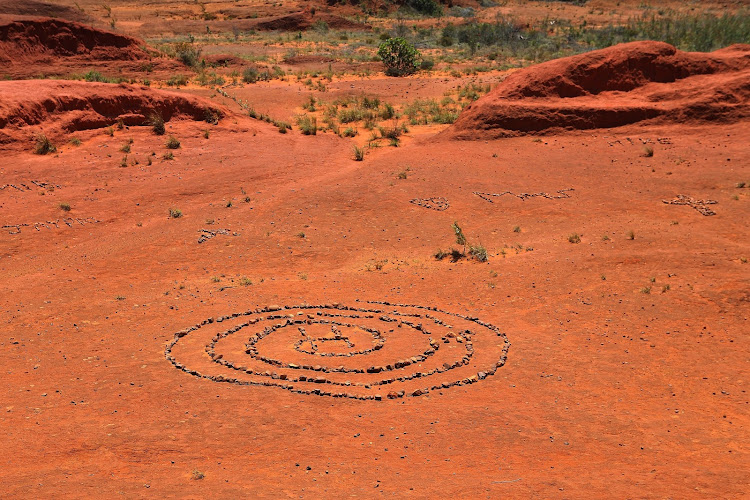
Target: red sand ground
606, 390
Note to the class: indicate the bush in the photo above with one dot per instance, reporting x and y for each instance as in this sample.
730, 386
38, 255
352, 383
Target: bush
426, 7
173, 142
44, 145
157, 123
399, 56
359, 153
308, 125
175, 213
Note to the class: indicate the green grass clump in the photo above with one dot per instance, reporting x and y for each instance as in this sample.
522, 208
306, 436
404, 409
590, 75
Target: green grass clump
172, 142
308, 125
44, 145
175, 213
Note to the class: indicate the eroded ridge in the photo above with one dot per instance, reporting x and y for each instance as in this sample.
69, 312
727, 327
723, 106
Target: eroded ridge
435, 203
562, 193
699, 205
377, 351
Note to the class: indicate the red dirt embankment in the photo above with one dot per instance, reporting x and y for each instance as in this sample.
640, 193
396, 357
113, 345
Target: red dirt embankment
616, 86
34, 39
58, 107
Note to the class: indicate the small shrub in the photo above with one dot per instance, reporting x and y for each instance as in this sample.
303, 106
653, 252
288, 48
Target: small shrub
157, 124
167, 156
65, 207
75, 141
478, 252
308, 125
124, 161
175, 213
229, 204
197, 475
125, 147
44, 145
574, 238
740, 185
172, 143
301, 235
349, 132
244, 281
631, 235
399, 57
605, 238
359, 153
648, 151
206, 134
517, 229
646, 289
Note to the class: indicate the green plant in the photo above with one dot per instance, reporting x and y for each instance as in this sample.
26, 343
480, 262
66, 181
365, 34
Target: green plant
126, 147
646, 289
197, 475
244, 281
206, 134
301, 234
119, 297
574, 238
359, 153
75, 141
124, 161
175, 213
308, 125
215, 279
740, 184
517, 229
631, 235
110, 131
648, 151
44, 145
172, 142
605, 238
157, 123
459, 233
399, 57
478, 252
65, 207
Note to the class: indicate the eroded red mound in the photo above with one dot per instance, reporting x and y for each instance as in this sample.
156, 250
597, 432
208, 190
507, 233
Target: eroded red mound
611, 87
58, 107
32, 39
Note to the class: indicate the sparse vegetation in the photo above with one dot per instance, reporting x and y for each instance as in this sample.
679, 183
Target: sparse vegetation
65, 207
172, 142
75, 141
157, 124
399, 57
44, 145
175, 213
308, 125
574, 238
167, 156
631, 235
359, 153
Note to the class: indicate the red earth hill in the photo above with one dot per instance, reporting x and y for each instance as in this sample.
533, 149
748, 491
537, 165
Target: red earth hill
58, 107
616, 86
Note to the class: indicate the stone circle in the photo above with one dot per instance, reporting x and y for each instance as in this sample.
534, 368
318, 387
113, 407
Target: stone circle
373, 351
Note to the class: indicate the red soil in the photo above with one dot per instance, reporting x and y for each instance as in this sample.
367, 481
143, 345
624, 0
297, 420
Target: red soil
41, 46
59, 107
612, 87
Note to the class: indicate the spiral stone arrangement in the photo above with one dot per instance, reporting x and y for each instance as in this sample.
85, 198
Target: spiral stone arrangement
376, 351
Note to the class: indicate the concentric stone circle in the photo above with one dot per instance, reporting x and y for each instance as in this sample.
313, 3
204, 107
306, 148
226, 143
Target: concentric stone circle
373, 351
